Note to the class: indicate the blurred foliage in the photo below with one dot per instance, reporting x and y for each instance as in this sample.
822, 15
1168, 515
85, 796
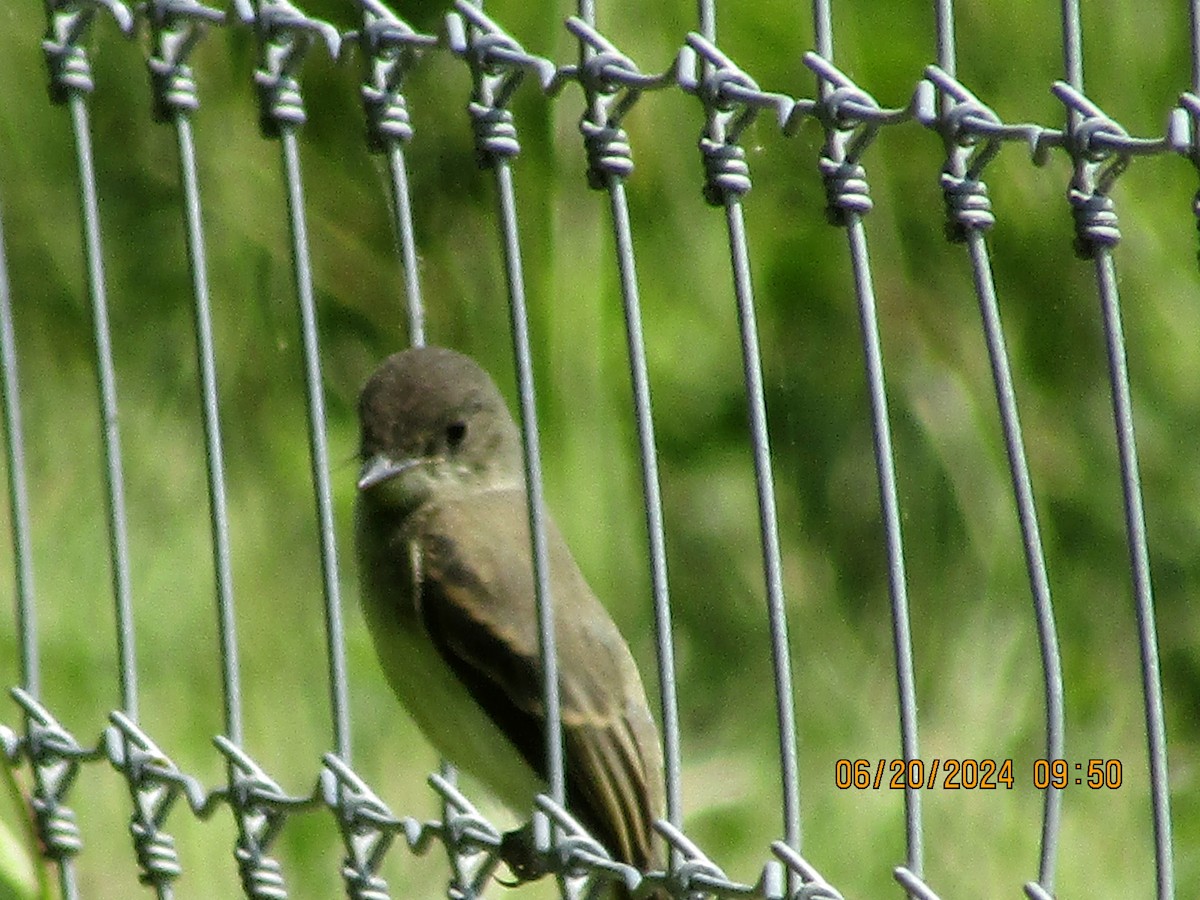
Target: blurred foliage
978, 674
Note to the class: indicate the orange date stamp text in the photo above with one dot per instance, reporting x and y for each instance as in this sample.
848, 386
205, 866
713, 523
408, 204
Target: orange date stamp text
973, 774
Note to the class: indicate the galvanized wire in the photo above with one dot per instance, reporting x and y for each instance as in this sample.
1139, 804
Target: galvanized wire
319, 447
176, 29
110, 432
178, 98
1097, 234
611, 162
1034, 556
727, 182
205, 354
55, 755
847, 190
388, 47
890, 509
285, 37
18, 491
1194, 34
402, 204
1135, 524
789, 767
1097, 146
969, 218
490, 54
506, 207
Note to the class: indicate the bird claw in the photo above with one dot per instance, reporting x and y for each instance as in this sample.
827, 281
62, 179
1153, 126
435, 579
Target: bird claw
517, 851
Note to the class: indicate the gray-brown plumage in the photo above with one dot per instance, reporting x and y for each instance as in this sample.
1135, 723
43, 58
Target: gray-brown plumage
444, 559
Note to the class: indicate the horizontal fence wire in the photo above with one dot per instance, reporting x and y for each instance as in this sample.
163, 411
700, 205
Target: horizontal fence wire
1098, 149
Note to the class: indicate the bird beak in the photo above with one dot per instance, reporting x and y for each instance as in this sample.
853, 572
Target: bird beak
379, 468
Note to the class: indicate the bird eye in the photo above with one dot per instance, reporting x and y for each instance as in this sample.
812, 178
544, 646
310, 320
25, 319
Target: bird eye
455, 432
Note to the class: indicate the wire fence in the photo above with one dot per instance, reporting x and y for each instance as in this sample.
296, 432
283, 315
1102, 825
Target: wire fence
729, 100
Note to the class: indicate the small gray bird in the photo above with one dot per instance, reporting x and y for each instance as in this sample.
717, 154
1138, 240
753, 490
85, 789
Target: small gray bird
442, 535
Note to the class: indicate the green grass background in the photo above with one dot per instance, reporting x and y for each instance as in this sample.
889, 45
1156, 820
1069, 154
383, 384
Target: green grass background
978, 674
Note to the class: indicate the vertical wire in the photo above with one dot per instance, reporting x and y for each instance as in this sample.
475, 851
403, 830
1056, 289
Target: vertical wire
106, 381
652, 493
68, 884
1135, 522
319, 451
518, 314
890, 510
206, 356
1072, 47
1194, 32
1035, 561
886, 472
1072, 44
944, 25
1014, 445
402, 206
765, 488
651, 487
414, 309
18, 498
586, 10
18, 495
823, 34
1135, 525
707, 15
506, 210
768, 524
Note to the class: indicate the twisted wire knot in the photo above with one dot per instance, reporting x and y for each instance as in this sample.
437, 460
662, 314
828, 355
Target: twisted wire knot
261, 876
846, 189
608, 152
691, 870
570, 851
387, 118
174, 88
726, 172
279, 101
968, 207
57, 828
1096, 222
70, 71
495, 133
961, 123
155, 853
362, 884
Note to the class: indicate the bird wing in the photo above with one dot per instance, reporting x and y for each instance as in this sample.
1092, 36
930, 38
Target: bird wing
475, 597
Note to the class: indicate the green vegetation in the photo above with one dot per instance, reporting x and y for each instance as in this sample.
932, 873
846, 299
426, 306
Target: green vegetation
977, 666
